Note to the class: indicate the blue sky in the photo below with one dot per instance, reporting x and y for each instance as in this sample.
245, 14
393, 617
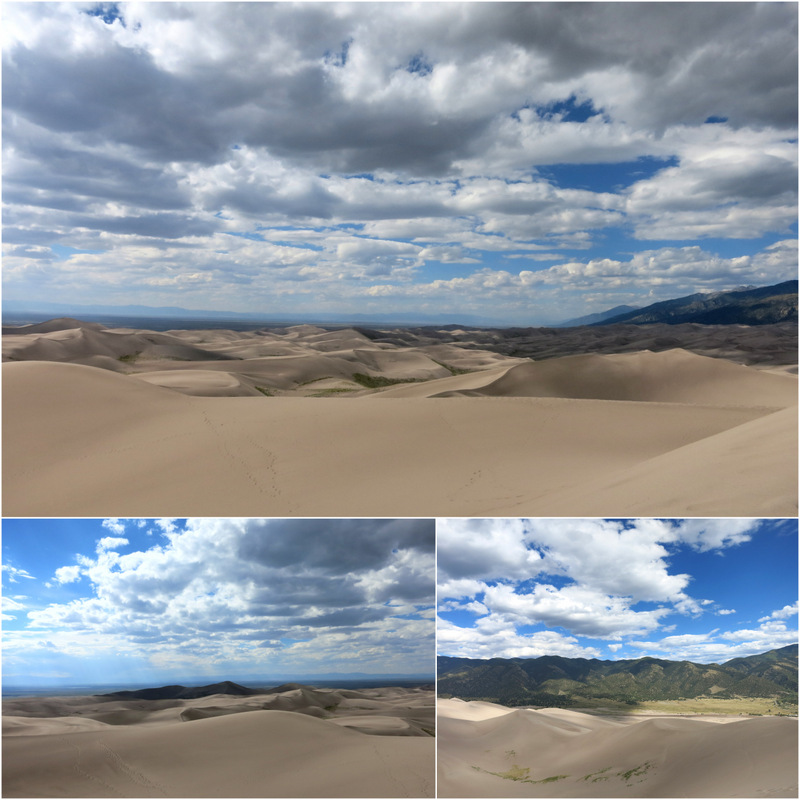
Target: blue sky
702, 590
164, 601
521, 162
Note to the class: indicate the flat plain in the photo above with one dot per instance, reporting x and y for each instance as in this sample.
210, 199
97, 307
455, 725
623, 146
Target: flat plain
304, 421
488, 750
292, 742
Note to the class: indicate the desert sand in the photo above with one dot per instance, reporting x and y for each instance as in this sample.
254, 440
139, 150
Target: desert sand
486, 750
221, 423
300, 742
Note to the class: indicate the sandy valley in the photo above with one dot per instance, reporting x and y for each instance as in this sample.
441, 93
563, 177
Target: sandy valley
310, 422
292, 742
487, 750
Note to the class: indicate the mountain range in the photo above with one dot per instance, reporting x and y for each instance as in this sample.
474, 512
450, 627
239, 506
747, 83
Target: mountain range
564, 682
748, 306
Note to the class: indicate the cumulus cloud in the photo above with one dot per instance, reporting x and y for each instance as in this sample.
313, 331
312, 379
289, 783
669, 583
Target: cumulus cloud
233, 589
600, 579
68, 574
378, 143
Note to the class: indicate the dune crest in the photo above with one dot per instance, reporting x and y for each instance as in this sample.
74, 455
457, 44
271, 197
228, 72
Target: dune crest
221, 745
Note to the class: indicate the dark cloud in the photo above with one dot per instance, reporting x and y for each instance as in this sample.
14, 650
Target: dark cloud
334, 546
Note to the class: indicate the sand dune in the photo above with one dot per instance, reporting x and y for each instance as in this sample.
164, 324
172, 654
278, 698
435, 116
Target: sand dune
217, 746
560, 753
674, 376
670, 433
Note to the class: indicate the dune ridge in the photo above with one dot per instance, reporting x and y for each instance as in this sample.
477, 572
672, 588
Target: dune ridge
223, 745
564, 753
668, 433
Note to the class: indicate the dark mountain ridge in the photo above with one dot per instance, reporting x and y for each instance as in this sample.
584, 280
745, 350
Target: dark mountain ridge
560, 681
178, 692
750, 306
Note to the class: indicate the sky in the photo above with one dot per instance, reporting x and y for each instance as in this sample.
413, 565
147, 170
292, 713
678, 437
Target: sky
521, 162
699, 590
158, 602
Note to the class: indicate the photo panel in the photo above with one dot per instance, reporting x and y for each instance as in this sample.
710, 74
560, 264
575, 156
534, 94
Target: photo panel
617, 657
219, 657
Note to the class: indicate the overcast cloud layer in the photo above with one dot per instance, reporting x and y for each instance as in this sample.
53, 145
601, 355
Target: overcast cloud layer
227, 597
527, 161
609, 589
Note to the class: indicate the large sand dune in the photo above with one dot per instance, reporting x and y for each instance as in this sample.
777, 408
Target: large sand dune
670, 433
370, 743
488, 751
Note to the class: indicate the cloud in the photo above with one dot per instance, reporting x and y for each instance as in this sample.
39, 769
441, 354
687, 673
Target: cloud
14, 573
720, 646
492, 638
715, 534
379, 143
224, 590
781, 613
111, 543
602, 579
68, 574
114, 525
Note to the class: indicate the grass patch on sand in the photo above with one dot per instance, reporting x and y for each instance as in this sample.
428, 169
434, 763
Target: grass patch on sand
329, 392
265, 392
130, 358
454, 370
756, 706
379, 381
594, 777
520, 774
636, 772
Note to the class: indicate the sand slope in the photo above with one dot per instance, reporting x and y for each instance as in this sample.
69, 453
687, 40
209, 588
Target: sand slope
513, 754
222, 746
85, 441
245, 423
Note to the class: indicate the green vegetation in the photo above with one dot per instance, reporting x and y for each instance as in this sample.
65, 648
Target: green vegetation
130, 358
333, 390
454, 370
265, 392
379, 381
762, 684
642, 769
597, 776
519, 774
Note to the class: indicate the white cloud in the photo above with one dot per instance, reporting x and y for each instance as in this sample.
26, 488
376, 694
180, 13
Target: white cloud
111, 543
715, 534
493, 639
576, 608
781, 613
602, 579
230, 591
13, 573
423, 140
114, 525
68, 574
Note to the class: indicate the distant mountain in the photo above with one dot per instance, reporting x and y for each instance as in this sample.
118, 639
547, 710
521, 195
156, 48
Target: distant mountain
28, 311
593, 319
752, 306
559, 681
183, 692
